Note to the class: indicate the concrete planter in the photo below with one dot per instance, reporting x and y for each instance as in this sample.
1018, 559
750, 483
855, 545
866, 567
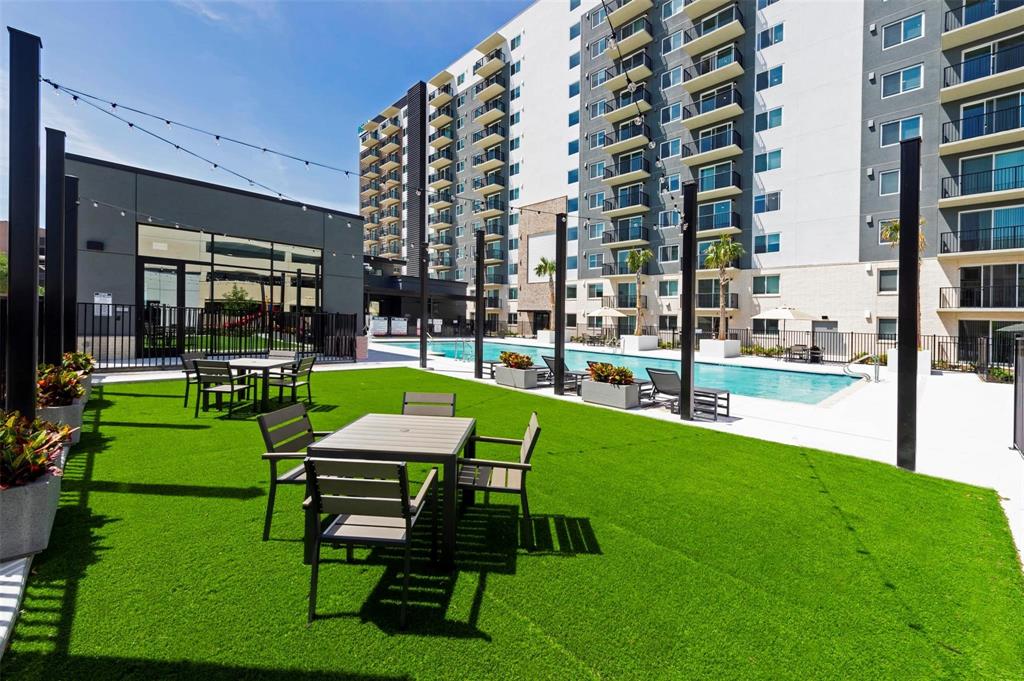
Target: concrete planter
87, 384
362, 348
638, 343
719, 349
924, 362
69, 415
525, 379
618, 396
546, 337
28, 512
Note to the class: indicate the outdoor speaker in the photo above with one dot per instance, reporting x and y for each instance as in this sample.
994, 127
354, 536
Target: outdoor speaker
94, 245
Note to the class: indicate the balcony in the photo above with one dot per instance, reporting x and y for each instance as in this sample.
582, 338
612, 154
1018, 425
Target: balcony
441, 117
392, 250
439, 200
390, 198
996, 128
489, 88
440, 159
391, 232
989, 186
614, 270
440, 179
490, 183
372, 221
984, 73
718, 186
725, 64
490, 207
628, 137
489, 64
391, 162
369, 238
368, 156
369, 139
392, 179
624, 301
713, 31
391, 216
698, 8
626, 202
718, 224
711, 148
368, 189
489, 136
982, 243
978, 20
489, 160
440, 220
493, 256
490, 112
712, 301
629, 104
391, 126
494, 279
391, 144
621, 11
710, 110
441, 261
370, 206
956, 298
440, 138
494, 230
492, 302
441, 95
633, 36
633, 169
440, 241
371, 171
633, 69
621, 237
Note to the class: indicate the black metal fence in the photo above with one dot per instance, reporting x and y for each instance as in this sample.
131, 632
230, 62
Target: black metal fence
1018, 397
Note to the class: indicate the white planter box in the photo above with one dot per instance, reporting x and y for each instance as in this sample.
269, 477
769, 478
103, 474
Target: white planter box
719, 348
87, 384
924, 362
28, 512
70, 415
546, 337
525, 379
638, 343
609, 395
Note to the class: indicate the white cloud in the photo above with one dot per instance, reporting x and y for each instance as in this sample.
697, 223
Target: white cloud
235, 14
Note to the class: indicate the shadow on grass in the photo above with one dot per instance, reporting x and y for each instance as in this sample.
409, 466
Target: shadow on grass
171, 426
199, 491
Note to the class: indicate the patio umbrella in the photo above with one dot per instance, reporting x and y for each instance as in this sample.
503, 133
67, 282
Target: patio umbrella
604, 312
785, 314
1012, 328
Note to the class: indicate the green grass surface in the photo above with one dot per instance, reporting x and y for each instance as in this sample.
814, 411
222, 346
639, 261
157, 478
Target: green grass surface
663, 551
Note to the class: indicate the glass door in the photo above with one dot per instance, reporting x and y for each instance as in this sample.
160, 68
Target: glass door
159, 299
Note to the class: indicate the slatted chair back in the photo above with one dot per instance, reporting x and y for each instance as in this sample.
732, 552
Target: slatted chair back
428, 404
665, 381
305, 365
359, 487
281, 354
550, 361
529, 439
188, 361
212, 371
287, 430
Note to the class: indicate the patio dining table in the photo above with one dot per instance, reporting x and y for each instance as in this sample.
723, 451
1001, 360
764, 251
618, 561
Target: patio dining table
399, 437
263, 365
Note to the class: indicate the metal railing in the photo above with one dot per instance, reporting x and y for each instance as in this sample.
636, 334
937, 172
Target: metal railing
494, 227
445, 89
496, 79
633, 27
713, 23
713, 300
977, 10
627, 233
438, 197
490, 155
627, 165
1010, 118
720, 180
611, 269
624, 300
981, 297
1018, 396
441, 218
627, 199
627, 98
445, 110
493, 54
489, 106
628, 132
441, 240
446, 131
635, 60
990, 239
493, 129
489, 179
443, 174
998, 179
713, 62
983, 66
438, 155
490, 203
718, 221
708, 143
709, 104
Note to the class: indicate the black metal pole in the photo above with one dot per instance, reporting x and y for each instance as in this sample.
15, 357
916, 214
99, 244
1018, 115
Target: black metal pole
424, 303
53, 312
909, 286
559, 312
478, 327
687, 299
70, 262
23, 212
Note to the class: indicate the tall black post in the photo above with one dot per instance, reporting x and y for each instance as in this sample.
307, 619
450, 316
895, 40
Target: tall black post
909, 287
481, 315
70, 262
53, 308
424, 303
23, 212
558, 313
687, 298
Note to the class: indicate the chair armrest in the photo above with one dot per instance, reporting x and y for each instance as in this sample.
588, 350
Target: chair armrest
497, 440
425, 487
497, 464
282, 456
322, 433
307, 502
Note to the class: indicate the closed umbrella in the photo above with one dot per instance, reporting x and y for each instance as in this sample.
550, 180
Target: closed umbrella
785, 314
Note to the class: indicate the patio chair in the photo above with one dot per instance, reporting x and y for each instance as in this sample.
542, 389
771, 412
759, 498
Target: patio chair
572, 378
798, 353
281, 354
217, 378
428, 404
667, 383
368, 504
503, 476
706, 401
286, 434
189, 367
294, 378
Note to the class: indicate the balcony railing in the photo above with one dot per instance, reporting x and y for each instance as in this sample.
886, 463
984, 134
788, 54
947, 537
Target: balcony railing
627, 98
443, 132
441, 260
611, 269
485, 180
629, 233
496, 79
438, 197
441, 240
393, 176
708, 143
392, 212
714, 300
494, 278
625, 166
492, 301
632, 28
978, 10
713, 23
494, 254
445, 89
627, 132
983, 65
719, 101
990, 239
392, 230
633, 197
492, 155
442, 218
986, 181
493, 104
981, 297
713, 62
393, 194
490, 130
493, 54
438, 155
1011, 118
443, 111
623, 300
493, 203
494, 227
445, 174
721, 180
718, 221
636, 60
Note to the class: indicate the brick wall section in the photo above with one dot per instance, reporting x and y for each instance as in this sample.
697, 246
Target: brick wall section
535, 296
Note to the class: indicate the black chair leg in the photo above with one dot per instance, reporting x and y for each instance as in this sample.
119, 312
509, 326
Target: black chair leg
405, 587
314, 573
199, 391
270, 510
309, 392
187, 383
528, 535
435, 511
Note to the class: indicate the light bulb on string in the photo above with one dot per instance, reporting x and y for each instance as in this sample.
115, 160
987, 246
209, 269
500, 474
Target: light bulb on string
216, 138
122, 213
95, 204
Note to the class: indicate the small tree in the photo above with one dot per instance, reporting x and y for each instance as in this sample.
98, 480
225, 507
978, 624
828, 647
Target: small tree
637, 258
721, 255
891, 233
3, 274
236, 301
546, 268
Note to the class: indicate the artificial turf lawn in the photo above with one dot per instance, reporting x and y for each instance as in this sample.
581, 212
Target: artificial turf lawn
663, 551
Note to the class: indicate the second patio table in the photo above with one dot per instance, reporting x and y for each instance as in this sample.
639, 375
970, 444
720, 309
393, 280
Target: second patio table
264, 366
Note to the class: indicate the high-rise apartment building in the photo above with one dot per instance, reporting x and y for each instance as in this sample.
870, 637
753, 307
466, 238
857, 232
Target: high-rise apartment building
786, 113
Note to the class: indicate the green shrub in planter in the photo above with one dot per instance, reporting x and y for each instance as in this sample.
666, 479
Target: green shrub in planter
81, 362
57, 386
29, 449
515, 360
603, 372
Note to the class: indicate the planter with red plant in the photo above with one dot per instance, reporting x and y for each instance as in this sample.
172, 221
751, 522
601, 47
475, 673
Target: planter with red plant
83, 364
516, 371
60, 394
610, 386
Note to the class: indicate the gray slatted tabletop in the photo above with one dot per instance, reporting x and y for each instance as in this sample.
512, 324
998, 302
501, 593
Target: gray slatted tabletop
264, 366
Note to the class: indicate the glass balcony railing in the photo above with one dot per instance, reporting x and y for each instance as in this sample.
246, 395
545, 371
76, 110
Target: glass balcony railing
708, 143
977, 10
713, 62
983, 65
625, 166
629, 233
712, 23
979, 297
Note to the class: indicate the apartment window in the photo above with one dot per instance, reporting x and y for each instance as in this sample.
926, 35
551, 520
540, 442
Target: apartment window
514, 143
668, 218
766, 285
597, 78
513, 294
571, 262
460, 100
595, 230
598, 47
574, 118
766, 243
902, 31
460, 230
574, 60
887, 328
672, 112
515, 93
574, 147
766, 327
883, 226
513, 194
514, 69
513, 243
668, 287
597, 170
570, 291
895, 131
459, 122
889, 182
769, 36
516, 41
904, 80
769, 78
514, 169
596, 200
672, 183
513, 219
768, 119
888, 281
574, 176
595, 290
460, 275
572, 234
514, 118
459, 209
460, 80
460, 188
670, 148
597, 139
573, 205
668, 253
513, 268
670, 78
460, 145
598, 108
672, 42
573, 4
671, 8
597, 17
574, 88
594, 262
460, 166
769, 160
761, 4
766, 203
574, 31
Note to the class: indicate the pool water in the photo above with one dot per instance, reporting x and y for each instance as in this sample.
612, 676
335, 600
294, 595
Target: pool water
774, 384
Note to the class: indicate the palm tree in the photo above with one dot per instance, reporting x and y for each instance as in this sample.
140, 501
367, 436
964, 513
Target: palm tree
891, 233
721, 255
546, 268
638, 257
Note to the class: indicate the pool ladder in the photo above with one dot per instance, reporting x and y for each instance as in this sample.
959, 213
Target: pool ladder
857, 374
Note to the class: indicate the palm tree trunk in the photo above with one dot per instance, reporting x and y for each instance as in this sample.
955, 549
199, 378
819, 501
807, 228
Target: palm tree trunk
721, 303
551, 302
639, 330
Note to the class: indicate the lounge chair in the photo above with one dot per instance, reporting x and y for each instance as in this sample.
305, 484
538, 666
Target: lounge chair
706, 401
572, 378
188, 365
428, 404
368, 504
217, 378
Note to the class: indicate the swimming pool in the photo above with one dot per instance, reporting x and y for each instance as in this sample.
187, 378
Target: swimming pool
774, 384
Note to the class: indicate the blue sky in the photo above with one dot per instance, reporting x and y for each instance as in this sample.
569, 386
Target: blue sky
296, 76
